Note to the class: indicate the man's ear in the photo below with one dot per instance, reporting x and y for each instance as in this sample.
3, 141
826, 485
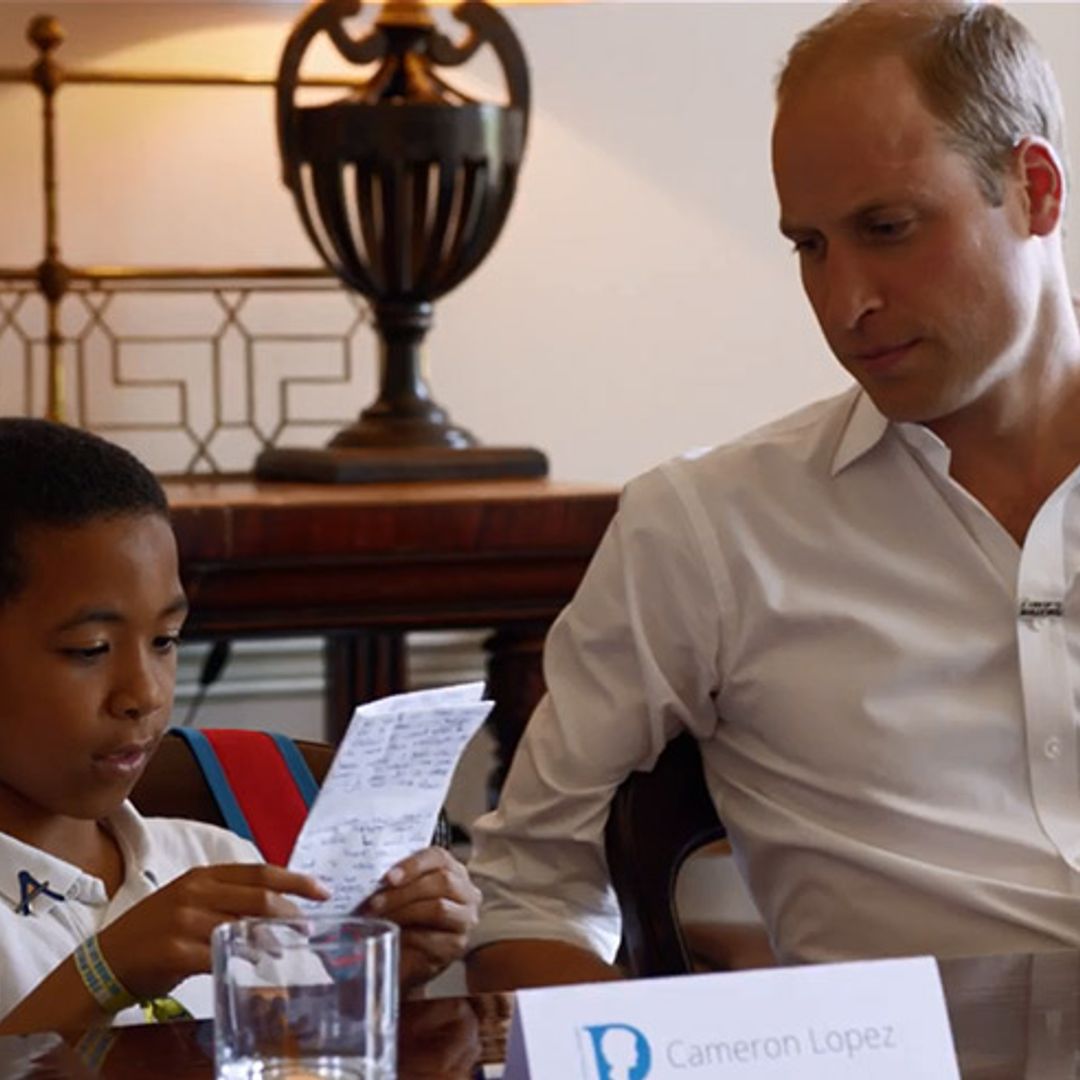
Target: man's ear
1043, 181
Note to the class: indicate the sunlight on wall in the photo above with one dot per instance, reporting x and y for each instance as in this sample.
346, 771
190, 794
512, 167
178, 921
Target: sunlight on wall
639, 302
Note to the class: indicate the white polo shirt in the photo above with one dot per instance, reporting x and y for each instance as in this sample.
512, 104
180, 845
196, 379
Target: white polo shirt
886, 689
155, 851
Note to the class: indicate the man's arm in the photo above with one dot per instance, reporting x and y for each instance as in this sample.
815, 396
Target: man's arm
628, 665
525, 962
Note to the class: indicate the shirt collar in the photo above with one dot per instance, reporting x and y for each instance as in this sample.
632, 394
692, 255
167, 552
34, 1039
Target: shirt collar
67, 880
129, 828
866, 427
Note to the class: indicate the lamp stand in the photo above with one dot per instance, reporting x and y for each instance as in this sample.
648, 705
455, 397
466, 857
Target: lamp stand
403, 187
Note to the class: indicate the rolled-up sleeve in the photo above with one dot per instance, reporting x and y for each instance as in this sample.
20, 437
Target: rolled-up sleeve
632, 661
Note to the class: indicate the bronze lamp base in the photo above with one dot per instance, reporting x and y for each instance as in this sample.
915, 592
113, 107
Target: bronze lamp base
349, 465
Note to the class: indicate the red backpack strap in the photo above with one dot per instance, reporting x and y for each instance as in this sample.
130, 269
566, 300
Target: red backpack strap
272, 786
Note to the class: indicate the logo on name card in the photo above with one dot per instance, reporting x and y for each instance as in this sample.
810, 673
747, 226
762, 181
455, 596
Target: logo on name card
618, 1052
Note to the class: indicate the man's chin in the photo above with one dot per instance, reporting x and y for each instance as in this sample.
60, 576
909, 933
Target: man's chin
905, 407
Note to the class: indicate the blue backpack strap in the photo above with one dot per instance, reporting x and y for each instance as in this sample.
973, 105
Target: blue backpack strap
305, 782
216, 781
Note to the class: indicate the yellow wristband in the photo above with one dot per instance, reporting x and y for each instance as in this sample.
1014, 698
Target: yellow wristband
105, 988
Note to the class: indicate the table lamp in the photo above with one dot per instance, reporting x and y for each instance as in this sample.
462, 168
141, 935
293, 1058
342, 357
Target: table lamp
403, 186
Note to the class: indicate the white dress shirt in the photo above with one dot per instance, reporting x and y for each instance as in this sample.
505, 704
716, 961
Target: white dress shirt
155, 851
886, 689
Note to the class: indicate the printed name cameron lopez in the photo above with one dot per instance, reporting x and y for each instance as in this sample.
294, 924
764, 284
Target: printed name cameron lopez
844, 1042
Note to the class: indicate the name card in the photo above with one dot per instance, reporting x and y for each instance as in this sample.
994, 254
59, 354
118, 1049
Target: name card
880, 1018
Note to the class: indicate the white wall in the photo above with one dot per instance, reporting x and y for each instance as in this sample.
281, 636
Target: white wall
640, 300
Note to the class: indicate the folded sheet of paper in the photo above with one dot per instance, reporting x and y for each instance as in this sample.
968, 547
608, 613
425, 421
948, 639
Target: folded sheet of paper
381, 798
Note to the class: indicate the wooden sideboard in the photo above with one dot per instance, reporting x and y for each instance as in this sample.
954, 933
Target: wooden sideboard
361, 565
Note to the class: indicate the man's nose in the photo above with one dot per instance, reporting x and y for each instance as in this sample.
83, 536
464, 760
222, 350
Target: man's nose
850, 291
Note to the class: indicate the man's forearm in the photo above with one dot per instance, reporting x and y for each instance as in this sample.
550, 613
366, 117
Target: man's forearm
524, 962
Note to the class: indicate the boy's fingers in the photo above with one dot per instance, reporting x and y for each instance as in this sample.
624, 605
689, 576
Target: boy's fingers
421, 862
444, 880
441, 943
431, 864
431, 947
436, 913
266, 876
254, 898
251, 902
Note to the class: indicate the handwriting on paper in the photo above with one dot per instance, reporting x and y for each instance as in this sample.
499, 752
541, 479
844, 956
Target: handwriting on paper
381, 798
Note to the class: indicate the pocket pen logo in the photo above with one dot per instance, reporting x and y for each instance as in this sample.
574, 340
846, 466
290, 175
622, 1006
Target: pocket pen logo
1042, 609
619, 1052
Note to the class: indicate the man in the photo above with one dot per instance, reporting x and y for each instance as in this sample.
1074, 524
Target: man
868, 613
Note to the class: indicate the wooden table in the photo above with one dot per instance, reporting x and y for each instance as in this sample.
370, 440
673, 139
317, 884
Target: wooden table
444, 1039
1013, 1018
362, 564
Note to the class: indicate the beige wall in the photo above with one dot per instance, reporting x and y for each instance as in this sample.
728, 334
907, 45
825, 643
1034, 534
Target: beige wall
640, 301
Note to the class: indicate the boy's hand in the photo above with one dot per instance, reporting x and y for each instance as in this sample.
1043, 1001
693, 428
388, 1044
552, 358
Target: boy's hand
166, 937
429, 895
440, 1040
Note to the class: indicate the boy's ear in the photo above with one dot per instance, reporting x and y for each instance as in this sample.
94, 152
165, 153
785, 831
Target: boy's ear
1043, 181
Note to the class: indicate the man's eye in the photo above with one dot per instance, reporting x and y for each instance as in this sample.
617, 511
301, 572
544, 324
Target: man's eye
889, 229
809, 245
166, 642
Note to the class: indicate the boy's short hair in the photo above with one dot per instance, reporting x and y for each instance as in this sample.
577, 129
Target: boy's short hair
978, 70
58, 476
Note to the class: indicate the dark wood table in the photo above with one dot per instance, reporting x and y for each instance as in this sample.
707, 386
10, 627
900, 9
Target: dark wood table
443, 1039
1013, 1018
360, 565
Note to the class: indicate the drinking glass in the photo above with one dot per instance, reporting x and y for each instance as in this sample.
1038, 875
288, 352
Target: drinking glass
305, 998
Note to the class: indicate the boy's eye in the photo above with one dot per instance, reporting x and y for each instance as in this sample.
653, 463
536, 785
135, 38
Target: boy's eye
86, 652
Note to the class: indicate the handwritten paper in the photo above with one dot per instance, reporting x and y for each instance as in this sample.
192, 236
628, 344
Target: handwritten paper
381, 798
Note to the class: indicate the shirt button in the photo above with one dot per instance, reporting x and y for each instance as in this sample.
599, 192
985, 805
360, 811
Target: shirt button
1052, 748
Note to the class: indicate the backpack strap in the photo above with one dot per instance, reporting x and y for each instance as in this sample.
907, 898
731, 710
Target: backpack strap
298, 768
260, 781
216, 781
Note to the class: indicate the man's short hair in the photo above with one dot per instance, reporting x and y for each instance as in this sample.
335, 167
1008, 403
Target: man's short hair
57, 476
978, 70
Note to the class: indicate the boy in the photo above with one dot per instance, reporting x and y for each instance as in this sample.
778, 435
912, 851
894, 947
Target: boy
100, 908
